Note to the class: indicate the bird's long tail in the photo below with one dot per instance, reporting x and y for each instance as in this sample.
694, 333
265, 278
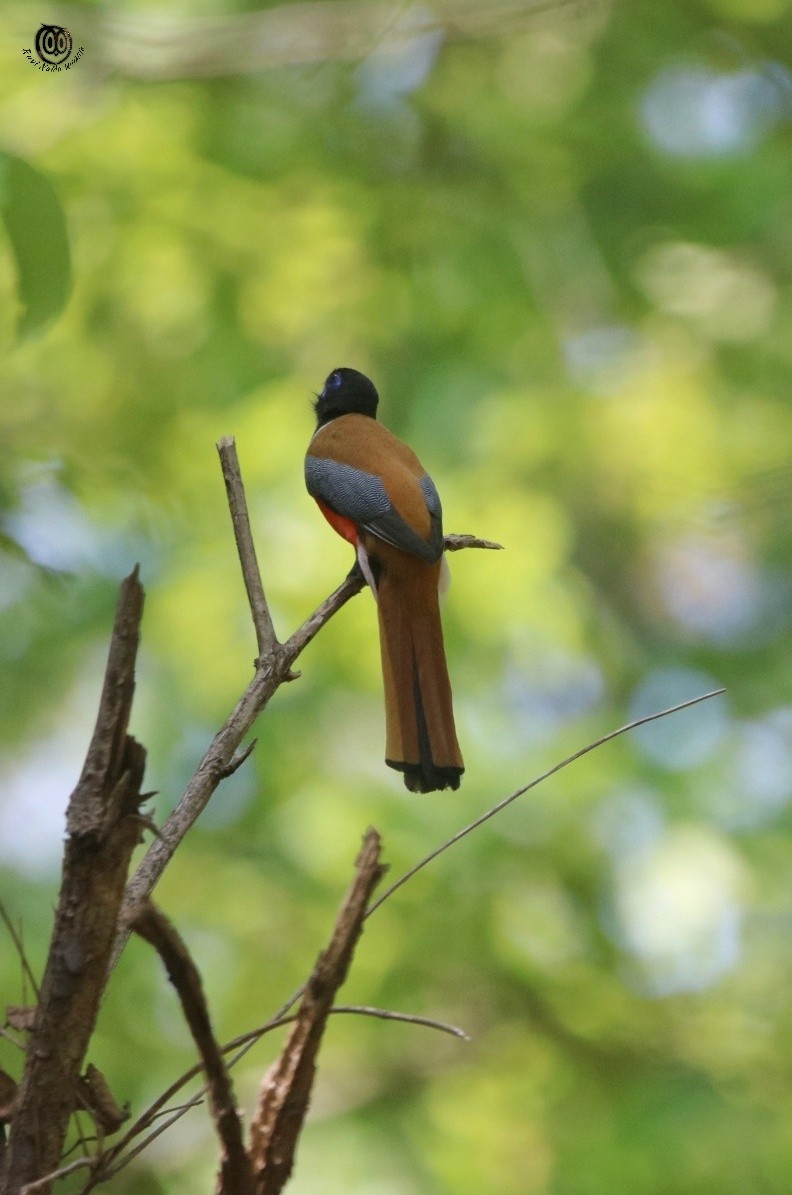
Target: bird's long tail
420, 732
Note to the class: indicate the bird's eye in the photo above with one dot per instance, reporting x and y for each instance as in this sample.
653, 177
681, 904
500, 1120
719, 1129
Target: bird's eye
334, 381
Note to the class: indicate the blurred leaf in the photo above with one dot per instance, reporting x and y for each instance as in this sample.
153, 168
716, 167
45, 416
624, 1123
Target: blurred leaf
36, 228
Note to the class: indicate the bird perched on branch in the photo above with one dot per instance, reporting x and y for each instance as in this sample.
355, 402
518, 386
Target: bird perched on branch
374, 492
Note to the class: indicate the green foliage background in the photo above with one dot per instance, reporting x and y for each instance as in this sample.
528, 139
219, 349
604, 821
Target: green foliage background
561, 244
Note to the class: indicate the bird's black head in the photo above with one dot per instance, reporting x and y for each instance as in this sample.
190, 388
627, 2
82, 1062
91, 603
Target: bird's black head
346, 392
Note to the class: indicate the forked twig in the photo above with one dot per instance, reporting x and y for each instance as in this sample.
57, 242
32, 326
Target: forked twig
274, 668
113, 1161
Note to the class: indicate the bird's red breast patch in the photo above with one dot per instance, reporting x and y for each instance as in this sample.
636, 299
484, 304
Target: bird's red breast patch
340, 523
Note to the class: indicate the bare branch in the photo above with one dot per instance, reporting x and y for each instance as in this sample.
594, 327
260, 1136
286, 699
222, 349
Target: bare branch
198, 792
112, 1162
236, 1176
407, 1018
102, 831
262, 619
46, 1179
273, 669
107, 1166
479, 821
330, 606
286, 1089
16, 938
455, 543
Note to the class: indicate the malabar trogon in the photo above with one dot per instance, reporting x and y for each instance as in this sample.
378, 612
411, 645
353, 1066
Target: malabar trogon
373, 491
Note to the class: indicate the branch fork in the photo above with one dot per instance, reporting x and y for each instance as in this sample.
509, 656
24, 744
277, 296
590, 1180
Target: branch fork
273, 668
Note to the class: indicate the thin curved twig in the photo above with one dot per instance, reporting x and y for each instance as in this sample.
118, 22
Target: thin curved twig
19, 945
501, 805
484, 817
247, 1040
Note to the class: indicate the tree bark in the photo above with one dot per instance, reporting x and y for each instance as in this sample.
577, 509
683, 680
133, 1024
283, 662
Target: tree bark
103, 827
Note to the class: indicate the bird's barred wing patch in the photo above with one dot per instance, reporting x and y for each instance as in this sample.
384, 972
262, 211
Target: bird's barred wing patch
431, 497
358, 495
362, 497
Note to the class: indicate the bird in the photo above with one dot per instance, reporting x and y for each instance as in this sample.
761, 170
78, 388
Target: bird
374, 492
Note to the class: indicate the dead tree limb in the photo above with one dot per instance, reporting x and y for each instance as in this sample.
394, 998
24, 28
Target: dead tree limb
236, 1174
103, 828
286, 1089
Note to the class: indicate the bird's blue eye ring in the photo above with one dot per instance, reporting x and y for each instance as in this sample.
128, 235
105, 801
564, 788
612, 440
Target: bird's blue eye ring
334, 381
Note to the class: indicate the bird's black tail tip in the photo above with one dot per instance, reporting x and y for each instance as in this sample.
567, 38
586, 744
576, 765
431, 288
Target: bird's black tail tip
421, 779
